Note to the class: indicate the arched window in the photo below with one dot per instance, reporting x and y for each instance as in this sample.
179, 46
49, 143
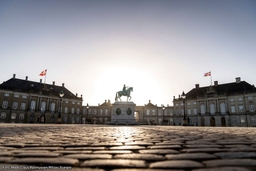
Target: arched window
212, 108
43, 105
202, 108
52, 108
33, 105
222, 108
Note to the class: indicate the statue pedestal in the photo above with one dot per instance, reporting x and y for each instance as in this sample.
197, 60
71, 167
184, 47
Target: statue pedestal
123, 113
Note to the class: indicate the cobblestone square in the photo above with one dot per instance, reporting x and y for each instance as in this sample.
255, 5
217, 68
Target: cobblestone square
130, 148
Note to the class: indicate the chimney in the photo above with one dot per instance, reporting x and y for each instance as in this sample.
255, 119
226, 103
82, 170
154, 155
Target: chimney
238, 79
197, 85
173, 97
149, 101
215, 83
26, 77
53, 83
40, 80
105, 101
14, 75
76, 94
108, 101
63, 84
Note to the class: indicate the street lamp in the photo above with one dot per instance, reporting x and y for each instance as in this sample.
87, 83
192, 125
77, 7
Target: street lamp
59, 116
87, 107
183, 96
163, 113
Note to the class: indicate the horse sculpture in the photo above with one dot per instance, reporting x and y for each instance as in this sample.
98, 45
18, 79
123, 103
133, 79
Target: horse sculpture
127, 93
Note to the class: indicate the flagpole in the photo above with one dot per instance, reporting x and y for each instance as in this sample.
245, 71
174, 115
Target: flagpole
211, 77
44, 78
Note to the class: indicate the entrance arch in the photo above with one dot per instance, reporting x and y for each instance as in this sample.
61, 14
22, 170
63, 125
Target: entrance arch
212, 121
202, 122
223, 121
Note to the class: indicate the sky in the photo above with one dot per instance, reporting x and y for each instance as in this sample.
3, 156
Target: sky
159, 47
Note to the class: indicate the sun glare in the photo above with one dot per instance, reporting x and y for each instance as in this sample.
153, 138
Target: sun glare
113, 79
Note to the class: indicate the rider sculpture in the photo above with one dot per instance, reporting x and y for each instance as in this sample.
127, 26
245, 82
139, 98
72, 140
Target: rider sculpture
125, 92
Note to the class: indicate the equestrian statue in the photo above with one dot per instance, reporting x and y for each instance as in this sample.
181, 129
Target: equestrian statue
125, 92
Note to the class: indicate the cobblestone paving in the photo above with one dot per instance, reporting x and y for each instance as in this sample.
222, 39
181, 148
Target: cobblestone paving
127, 148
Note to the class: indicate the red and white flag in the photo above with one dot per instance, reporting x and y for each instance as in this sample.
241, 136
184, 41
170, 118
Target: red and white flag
207, 74
43, 73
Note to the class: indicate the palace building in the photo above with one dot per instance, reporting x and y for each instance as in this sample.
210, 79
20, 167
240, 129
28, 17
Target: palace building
24, 101
230, 104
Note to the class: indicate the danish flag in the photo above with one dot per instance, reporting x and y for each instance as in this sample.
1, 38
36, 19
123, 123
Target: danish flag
207, 74
43, 73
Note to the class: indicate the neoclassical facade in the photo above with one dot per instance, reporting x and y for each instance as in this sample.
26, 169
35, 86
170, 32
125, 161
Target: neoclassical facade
24, 101
231, 104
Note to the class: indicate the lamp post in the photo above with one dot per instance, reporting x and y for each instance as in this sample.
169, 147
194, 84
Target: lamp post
163, 113
59, 116
87, 107
185, 122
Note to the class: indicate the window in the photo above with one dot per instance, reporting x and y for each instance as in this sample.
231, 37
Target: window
13, 116
188, 103
241, 108
250, 98
194, 103
52, 108
66, 110
3, 115
177, 112
106, 111
24, 97
77, 111
253, 119
233, 120
242, 119
6, 94
72, 110
222, 108
212, 108
21, 116
231, 100
16, 96
33, 105
251, 108
89, 111
233, 109
239, 98
202, 107
95, 111
101, 111
78, 103
147, 112
22, 106
43, 105
77, 120
15, 105
5, 104
195, 111
73, 102
52, 119
153, 112
176, 104
66, 101
84, 111
189, 111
